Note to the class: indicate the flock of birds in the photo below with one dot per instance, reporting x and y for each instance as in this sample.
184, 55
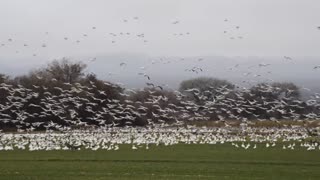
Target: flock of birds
83, 117
232, 32
113, 37
86, 105
78, 116
147, 138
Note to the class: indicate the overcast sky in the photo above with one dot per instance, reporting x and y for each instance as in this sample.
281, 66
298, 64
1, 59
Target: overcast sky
268, 27
33, 32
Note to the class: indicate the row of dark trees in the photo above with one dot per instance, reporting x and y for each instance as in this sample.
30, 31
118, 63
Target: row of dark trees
63, 94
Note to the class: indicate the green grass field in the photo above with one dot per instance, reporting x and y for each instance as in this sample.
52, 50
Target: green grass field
172, 162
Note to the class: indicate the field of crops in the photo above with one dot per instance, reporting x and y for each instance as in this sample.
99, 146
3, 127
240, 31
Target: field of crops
182, 161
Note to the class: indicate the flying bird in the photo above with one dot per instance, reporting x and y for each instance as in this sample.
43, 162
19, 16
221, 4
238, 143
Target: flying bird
316, 67
145, 75
263, 65
93, 59
150, 84
287, 58
175, 22
160, 87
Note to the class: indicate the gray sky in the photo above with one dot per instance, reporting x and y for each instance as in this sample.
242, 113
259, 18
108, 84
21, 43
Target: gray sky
268, 29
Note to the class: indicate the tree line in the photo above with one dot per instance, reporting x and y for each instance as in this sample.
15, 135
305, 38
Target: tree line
61, 93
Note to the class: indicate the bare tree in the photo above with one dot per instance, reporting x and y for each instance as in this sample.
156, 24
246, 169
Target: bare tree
65, 70
3, 78
205, 87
